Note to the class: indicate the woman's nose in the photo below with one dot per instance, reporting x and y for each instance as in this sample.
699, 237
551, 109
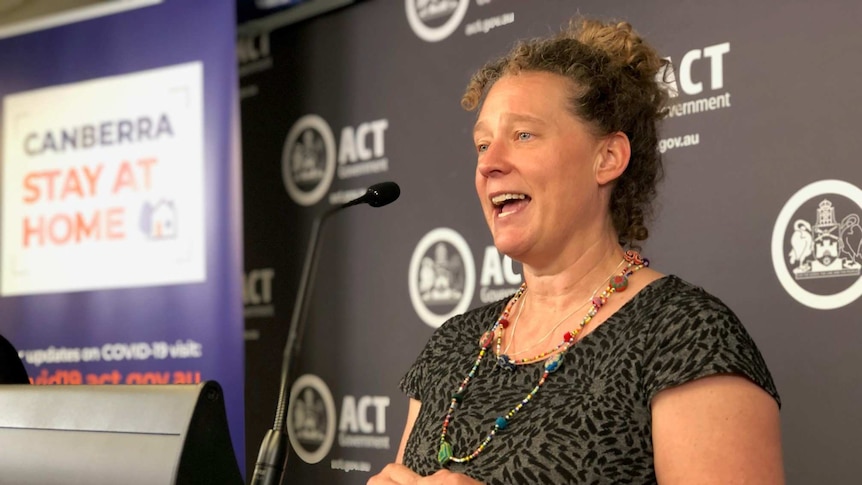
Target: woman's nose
494, 160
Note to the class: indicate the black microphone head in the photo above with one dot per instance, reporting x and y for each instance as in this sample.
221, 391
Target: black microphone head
381, 194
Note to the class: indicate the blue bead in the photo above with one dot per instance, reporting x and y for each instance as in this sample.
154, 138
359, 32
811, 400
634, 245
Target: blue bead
502, 422
553, 363
505, 362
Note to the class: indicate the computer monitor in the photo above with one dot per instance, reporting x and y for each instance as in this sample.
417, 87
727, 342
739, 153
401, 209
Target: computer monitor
172, 434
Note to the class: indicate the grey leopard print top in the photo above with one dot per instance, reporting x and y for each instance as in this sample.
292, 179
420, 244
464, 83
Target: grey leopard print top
590, 422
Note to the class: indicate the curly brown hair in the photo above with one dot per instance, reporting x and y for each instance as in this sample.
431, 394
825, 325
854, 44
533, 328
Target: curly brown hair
615, 89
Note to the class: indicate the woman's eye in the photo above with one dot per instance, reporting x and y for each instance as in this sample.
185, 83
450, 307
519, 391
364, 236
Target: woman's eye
524, 136
482, 147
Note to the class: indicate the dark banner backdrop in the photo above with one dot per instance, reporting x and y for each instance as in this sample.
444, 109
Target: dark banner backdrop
761, 204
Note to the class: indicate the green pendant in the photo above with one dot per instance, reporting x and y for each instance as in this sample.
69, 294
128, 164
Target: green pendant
445, 453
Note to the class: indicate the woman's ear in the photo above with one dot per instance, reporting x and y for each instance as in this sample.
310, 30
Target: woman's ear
613, 158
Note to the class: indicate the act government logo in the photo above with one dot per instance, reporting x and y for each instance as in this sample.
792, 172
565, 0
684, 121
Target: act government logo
308, 160
817, 244
442, 276
434, 20
311, 418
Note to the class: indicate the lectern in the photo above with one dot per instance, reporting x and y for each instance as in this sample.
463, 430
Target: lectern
172, 434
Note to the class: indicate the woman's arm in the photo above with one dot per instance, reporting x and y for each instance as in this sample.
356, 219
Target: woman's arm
412, 414
722, 429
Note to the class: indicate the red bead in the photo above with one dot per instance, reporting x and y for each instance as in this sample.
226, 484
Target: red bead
619, 283
504, 323
568, 337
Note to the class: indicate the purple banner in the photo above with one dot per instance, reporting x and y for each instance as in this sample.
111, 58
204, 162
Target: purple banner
121, 232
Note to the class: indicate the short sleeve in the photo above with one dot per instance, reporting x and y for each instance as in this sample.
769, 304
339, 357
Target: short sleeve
696, 335
415, 381
447, 350
418, 379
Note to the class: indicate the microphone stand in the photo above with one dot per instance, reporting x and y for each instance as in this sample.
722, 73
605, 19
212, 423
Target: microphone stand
272, 456
273, 450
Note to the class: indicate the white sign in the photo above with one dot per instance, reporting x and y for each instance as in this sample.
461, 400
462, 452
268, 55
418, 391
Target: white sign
103, 183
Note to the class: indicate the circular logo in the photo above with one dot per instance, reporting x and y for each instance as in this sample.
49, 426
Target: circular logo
442, 276
308, 160
434, 20
817, 244
311, 418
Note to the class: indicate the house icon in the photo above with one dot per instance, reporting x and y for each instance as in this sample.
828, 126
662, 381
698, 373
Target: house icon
159, 220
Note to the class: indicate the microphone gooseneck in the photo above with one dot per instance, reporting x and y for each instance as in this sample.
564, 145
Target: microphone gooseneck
269, 468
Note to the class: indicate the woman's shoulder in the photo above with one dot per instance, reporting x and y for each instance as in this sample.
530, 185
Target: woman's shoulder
674, 295
671, 308
462, 331
477, 319
689, 333
457, 337
675, 315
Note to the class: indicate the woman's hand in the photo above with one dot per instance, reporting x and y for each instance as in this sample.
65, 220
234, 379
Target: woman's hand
397, 474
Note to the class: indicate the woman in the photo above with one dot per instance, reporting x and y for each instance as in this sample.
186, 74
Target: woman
599, 369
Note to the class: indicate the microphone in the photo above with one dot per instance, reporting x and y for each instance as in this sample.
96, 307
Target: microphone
377, 195
269, 468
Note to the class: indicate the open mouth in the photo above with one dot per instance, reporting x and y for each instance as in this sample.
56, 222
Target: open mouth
509, 203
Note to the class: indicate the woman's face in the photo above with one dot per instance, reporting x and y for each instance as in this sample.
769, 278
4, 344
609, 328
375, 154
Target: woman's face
536, 168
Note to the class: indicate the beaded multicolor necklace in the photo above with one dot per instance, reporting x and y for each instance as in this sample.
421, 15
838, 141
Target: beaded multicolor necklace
553, 361
503, 358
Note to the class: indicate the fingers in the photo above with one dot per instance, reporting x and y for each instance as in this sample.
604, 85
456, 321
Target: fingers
446, 477
394, 474
397, 474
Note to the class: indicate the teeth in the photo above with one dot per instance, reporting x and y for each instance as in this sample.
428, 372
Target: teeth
503, 198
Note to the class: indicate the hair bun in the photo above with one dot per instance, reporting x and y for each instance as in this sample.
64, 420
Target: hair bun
620, 42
